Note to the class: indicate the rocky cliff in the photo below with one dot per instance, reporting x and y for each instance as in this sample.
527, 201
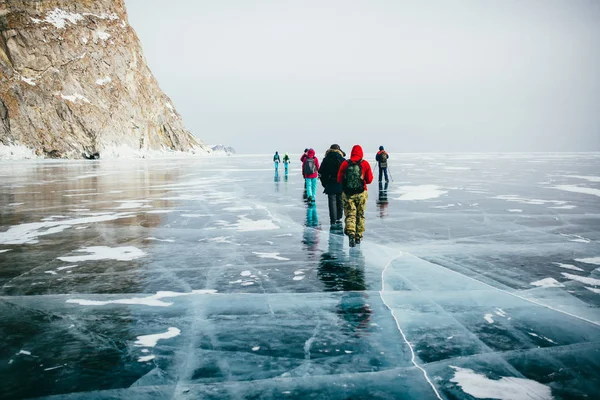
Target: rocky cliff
73, 82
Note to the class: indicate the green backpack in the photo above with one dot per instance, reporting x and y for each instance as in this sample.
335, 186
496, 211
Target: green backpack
353, 181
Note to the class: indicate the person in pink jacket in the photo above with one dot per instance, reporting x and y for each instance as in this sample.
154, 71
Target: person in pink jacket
310, 171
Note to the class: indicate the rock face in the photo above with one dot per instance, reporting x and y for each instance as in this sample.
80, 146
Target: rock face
74, 82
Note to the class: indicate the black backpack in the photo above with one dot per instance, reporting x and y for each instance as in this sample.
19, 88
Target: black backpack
309, 167
353, 181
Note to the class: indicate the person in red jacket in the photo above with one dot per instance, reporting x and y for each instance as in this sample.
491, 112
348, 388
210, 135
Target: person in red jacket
310, 170
354, 175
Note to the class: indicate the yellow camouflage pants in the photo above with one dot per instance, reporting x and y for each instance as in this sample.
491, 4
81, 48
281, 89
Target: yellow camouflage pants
354, 209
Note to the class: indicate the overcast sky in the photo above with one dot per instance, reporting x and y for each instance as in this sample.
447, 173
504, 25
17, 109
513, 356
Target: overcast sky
415, 76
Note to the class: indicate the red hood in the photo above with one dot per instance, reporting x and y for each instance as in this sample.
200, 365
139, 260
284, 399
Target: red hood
356, 153
311, 153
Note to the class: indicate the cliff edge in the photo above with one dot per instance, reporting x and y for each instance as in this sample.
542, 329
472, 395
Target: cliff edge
74, 82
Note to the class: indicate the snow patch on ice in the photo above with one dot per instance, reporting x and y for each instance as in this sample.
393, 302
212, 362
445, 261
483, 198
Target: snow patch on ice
568, 266
505, 388
576, 238
595, 290
547, 282
152, 301
515, 210
247, 283
565, 207
582, 279
125, 253
161, 240
152, 340
518, 199
542, 337
274, 256
248, 225
590, 260
421, 192
5, 250
25, 352
256, 348
234, 209
489, 318
146, 358
578, 189
584, 177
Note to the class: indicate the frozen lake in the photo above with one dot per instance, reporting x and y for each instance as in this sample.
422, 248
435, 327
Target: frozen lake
478, 277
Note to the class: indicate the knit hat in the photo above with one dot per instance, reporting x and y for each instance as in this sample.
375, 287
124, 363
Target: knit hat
380, 147
335, 147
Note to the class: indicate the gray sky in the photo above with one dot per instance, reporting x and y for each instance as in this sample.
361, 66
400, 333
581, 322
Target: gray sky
415, 76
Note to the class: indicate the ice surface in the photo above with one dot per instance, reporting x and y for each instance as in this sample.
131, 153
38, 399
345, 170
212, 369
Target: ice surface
210, 278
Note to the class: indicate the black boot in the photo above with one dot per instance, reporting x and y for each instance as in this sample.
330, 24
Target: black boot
351, 241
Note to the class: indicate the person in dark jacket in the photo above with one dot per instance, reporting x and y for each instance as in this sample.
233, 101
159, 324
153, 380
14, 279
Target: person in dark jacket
333, 189
382, 158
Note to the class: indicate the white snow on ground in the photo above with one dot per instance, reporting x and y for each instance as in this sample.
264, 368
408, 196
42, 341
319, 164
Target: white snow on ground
112, 16
547, 282
500, 312
247, 225
161, 240
5, 250
221, 239
152, 301
29, 233
25, 352
74, 97
445, 207
152, 340
518, 199
128, 204
541, 337
274, 256
582, 279
421, 192
584, 177
125, 253
59, 18
568, 266
566, 207
67, 267
489, 318
146, 358
515, 210
103, 81
576, 238
100, 34
29, 81
597, 291
590, 260
578, 189
505, 388
16, 152
245, 273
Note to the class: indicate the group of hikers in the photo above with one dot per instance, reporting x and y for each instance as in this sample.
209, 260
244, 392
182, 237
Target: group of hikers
345, 182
